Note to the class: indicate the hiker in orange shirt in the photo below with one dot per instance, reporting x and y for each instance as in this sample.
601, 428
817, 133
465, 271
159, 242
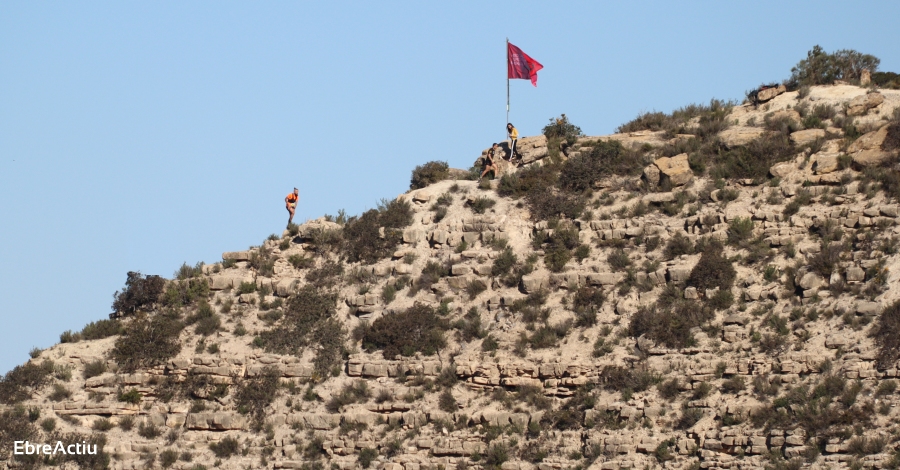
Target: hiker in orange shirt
290, 203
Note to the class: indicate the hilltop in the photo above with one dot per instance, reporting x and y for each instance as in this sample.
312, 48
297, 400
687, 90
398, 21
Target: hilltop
714, 288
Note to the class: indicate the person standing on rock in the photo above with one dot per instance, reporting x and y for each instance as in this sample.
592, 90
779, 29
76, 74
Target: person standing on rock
513, 134
489, 164
290, 203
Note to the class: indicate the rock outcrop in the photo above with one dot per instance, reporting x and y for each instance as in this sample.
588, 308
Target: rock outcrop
606, 340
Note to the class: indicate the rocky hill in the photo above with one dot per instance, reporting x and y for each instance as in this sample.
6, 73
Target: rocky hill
715, 288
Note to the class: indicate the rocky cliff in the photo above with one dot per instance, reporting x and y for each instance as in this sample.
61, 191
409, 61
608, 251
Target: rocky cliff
681, 310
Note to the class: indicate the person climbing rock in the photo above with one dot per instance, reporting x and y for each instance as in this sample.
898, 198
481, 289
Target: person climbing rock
488, 163
513, 137
290, 203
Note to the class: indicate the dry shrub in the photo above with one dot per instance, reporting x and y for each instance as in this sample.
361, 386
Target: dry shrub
670, 325
887, 336
429, 173
713, 270
139, 291
606, 158
148, 341
363, 240
18, 384
308, 321
255, 394
416, 329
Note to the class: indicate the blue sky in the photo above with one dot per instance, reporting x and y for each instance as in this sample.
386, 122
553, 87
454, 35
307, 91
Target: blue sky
140, 135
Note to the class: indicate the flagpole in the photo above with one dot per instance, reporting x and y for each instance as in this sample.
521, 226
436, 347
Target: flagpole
507, 82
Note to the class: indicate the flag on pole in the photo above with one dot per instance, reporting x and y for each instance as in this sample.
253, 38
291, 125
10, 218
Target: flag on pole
519, 65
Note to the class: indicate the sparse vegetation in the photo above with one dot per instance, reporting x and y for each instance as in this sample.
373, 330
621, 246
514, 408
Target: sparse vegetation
429, 173
140, 291
416, 329
308, 321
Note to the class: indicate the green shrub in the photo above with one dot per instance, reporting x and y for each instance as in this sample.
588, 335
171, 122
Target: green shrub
60, 393
308, 321
168, 457
470, 326
721, 300
102, 425
670, 325
187, 271
148, 430
246, 288
388, 293
263, 261
182, 293
69, 336
669, 389
416, 329
556, 258
362, 235
19, 383
586, 302
475, 287
147, 342
429, 173
132, 396
353, 392
531, 179
551, 204
94, 368
689, 417
139, 291
753, 160
734, 385
713, 270
366, 456
226, 447
254, 394
886, 333
678, 245
892, 140
447, 403
431, 274
822, 68
824, 262
547, 336
607, 158
562, 130
618, 259
496, 454
504, 262
48, 424
889, 80
101, 329
299, 261
740, 229
482, 204
615, 378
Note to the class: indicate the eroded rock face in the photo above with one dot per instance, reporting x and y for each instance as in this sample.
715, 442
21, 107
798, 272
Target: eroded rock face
769, 93
674, 170
862, 104
739, 135
404, 424
867, 151
807, 136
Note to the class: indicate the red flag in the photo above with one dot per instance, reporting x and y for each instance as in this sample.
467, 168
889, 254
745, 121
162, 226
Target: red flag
519, 65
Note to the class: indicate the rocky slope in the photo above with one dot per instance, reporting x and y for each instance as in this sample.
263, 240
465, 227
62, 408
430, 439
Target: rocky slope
608, 340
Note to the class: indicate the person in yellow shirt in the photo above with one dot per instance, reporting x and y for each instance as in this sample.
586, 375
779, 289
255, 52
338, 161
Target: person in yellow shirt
290, 203
513, 137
